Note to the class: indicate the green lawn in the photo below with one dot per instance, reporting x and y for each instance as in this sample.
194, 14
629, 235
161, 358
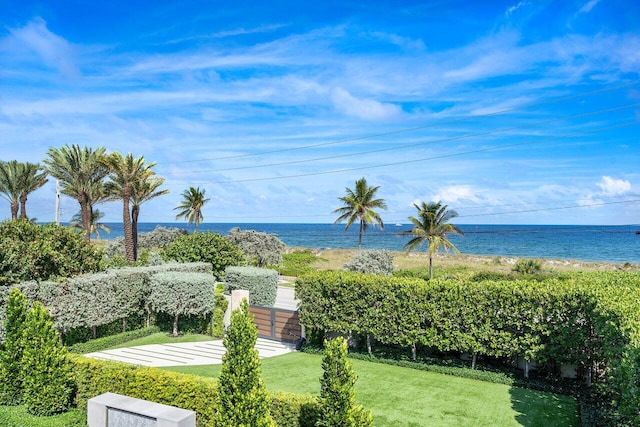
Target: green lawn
406, 397
163, 338
17, 416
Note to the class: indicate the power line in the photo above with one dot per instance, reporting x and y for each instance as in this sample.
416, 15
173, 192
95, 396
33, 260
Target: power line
405, 130
437, 141
404, 162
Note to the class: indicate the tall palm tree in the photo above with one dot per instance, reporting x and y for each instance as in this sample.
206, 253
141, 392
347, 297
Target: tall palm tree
32, 177
432, 225
125, 171
143, 191
96, 225
192, 202
80, 171
10, 184
359, 205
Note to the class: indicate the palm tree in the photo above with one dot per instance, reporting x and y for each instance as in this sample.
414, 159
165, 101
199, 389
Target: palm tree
31, 178
192, 202
10, 184
81, 172
125, 171
143, 191
96, 216
359, 205
432, 225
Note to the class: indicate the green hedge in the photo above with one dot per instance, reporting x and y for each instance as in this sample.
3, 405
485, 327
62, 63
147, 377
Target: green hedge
588, 319
94, 377
261, 283
93, 300
103, 343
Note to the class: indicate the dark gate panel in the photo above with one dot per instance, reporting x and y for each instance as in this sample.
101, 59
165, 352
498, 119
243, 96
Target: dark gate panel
277, 323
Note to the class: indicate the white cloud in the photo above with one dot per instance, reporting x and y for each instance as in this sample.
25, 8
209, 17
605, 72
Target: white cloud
367, 109
586, 8
512, 9
611, 186
400, 41
455, 193
54, 50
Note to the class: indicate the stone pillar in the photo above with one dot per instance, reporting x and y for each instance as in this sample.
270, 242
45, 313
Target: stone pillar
236, 297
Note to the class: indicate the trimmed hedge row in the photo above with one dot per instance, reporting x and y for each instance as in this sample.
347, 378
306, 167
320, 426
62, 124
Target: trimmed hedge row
261, 283
103, 343
93, 300
94, 377
587, 319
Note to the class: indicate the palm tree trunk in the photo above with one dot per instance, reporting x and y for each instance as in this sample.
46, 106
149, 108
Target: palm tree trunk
360, 235
126, 222
430, 266
135, 212
23, 207
85, 213
14, 210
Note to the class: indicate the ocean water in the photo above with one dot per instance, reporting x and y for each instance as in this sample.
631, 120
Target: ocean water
579, 242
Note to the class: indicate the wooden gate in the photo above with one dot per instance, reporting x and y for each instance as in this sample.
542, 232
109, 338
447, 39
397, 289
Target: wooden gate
277, 323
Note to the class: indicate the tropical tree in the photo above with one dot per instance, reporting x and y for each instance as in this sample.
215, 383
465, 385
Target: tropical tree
191, 207
124, 172
432, 225
10, 184
96, 216
81, 172
359, 205
143, 190
32, 177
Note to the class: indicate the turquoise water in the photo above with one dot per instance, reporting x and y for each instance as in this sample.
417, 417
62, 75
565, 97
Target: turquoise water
579, 242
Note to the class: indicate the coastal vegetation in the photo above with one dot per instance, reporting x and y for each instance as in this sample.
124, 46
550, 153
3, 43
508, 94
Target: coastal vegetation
17, 181
191, 206
359, 205
432, 225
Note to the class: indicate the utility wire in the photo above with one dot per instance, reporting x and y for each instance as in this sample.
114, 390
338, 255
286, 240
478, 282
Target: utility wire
419, 144
378, 135
404, 162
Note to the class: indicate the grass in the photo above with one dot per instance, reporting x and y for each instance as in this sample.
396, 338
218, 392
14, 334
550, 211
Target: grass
406, 397
163, 338
448, 263
17, 416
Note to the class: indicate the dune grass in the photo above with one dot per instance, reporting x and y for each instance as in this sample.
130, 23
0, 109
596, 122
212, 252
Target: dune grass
406, 397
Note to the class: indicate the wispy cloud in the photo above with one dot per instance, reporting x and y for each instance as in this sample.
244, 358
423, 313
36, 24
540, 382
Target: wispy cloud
367, 109
512, 9
586, 8
52, 49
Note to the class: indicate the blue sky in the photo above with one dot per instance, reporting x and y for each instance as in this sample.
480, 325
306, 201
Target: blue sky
515, 112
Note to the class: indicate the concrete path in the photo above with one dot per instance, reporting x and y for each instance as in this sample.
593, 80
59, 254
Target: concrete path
183, 354
286, 298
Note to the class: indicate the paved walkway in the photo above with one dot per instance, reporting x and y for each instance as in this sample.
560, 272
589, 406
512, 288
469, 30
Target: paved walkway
183, 354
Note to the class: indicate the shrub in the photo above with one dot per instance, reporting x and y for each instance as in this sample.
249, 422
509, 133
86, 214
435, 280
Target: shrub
204, 247
47, 380
527, 266
199, 394
337, 393
43, 252
260, 249
182, 294
217, 320
261, 283
104, 343
242, 396
297, 263
11, 355
158, 238
372, 262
